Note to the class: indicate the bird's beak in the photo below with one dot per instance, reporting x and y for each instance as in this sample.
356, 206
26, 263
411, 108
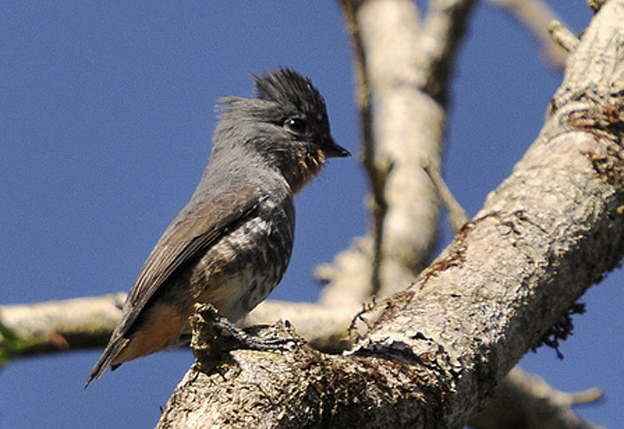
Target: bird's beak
332, 150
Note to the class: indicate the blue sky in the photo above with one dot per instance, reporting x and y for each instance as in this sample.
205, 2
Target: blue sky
106, 115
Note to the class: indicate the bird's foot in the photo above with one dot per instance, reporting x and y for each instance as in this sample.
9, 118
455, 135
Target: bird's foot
214, 336
262, 338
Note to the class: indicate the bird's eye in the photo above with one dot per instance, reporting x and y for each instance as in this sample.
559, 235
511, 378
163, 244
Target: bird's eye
295, 125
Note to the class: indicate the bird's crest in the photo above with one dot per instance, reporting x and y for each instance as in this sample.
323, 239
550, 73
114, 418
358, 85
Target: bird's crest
286, 86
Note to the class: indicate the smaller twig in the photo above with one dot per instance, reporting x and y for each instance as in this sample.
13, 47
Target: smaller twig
563, 36
588, 396
377, 171
527, 398
457, 215
536, 15
379, 210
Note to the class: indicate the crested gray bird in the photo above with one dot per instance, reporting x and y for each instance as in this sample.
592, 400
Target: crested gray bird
230, 245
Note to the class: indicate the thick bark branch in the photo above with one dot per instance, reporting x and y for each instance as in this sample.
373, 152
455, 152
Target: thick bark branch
435, 352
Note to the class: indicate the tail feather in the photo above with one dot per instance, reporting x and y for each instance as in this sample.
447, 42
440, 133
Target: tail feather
112, 351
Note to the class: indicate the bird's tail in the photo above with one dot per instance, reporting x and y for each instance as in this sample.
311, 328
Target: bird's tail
111, 352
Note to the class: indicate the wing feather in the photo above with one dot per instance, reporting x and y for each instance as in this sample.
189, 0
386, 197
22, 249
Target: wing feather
182, 244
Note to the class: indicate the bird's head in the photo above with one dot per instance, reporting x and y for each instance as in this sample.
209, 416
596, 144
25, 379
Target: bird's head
286, 125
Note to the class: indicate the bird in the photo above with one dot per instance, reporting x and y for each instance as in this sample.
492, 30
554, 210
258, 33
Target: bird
231, 243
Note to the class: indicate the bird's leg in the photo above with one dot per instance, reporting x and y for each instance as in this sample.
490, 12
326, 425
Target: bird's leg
214, 333
238, 338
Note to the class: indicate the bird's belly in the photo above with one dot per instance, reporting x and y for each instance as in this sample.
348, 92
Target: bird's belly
243, 268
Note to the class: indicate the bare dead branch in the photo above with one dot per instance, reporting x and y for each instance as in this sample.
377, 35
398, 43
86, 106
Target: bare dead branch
526, 401
563, 36
536, 16
55, 326
457, 215
435, 352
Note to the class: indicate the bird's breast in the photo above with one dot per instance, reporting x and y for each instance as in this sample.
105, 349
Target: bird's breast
242, 269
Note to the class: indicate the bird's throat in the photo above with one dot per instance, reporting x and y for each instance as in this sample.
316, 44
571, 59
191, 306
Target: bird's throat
304, 169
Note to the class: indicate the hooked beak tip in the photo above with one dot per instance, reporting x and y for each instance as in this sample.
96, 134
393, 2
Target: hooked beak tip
333, 150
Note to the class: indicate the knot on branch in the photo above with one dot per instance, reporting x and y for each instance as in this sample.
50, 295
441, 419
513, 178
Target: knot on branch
598, 110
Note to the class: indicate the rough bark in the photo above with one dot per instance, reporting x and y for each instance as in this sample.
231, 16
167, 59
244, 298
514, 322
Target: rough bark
435, 352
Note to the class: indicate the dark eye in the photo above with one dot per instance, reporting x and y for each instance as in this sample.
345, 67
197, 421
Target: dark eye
295, 125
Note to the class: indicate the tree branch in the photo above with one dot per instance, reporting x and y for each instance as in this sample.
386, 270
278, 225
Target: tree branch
436, 352
525, 401
56, 326
536, 16
87, 323
402, 74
